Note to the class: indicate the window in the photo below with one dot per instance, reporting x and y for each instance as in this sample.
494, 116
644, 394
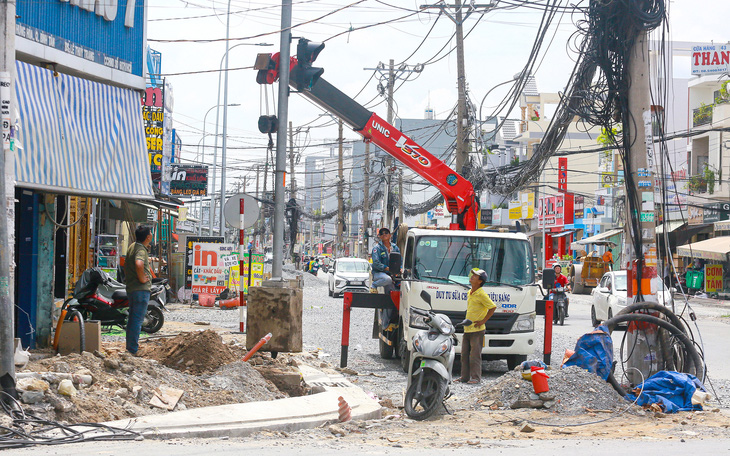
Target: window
450, 258
620, 281
353, 266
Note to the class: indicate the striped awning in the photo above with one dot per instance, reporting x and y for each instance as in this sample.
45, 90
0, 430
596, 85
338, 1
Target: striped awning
80, 137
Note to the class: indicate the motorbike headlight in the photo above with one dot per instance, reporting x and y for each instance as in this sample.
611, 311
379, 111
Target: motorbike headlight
443, 348
524, 323
417, 321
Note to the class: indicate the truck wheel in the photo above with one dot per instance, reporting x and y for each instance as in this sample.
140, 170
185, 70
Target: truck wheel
515, 360
403, 353
386, 351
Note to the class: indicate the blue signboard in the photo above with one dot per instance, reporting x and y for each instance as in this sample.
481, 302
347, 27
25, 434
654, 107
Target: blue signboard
110, 33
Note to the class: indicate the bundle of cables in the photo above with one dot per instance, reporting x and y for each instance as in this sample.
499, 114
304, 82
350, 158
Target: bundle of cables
679, 351
26, 430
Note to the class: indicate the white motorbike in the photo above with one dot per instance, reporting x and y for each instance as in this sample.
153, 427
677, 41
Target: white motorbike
433, 358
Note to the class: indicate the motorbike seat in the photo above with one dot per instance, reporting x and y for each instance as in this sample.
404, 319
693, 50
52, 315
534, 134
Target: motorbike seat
119, 295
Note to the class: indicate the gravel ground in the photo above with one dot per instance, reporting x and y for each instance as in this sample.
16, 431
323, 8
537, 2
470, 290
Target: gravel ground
322, 326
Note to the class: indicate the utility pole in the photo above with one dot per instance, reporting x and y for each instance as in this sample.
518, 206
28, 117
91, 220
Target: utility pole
292, 180
400, 196
7, 99
640, 211
258, 222
340, 195
366, 201
462, 12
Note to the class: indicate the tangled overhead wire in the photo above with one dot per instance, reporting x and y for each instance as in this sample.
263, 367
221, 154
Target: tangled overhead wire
27, 430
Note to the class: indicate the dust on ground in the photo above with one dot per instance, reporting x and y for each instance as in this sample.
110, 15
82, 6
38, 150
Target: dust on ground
122, 385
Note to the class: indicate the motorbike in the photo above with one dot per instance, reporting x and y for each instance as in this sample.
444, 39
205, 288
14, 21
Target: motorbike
99, 297
433, 359
560, 300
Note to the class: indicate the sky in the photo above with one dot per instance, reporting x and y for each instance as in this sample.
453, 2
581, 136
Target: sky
360, 34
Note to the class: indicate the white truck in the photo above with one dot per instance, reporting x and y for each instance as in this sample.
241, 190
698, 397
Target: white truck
438, 262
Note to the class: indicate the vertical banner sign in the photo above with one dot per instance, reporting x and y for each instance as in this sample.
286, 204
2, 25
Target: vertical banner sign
189, 255
153, 115
5, 118
563, 174
713, 278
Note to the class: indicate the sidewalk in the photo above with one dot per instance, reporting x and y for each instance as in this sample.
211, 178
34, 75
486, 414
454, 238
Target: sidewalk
240, 420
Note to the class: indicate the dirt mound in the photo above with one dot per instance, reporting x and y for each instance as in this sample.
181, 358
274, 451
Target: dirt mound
193, 352
572, 391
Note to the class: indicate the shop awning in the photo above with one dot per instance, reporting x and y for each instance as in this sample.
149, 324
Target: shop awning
722, 225
80, 137
671, 225
710, 249
600, 239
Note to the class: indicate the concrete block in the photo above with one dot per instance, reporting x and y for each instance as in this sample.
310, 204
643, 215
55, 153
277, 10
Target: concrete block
277, 311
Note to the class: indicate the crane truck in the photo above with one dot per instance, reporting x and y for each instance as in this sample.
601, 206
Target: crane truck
434, 261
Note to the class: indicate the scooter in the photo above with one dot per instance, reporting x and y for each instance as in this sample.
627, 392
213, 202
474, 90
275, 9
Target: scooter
434, 354
561, 302
99, 297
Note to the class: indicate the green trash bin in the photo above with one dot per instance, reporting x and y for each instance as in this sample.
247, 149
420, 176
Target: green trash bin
695, 279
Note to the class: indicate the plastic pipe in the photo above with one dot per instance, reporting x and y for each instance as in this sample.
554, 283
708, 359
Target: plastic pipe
259, 344
346, 308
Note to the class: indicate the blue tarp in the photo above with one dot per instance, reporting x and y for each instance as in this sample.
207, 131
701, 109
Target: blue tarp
671, 390
594, 352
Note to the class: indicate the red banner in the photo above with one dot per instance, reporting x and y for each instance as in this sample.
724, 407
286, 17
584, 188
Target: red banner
563, 174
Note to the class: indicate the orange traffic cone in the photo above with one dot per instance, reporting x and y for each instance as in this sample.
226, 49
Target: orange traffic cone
345, 410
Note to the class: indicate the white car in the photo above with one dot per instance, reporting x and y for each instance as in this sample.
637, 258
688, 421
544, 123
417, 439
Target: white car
609, 297
348, 274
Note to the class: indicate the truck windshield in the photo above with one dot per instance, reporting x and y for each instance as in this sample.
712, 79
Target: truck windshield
507, 261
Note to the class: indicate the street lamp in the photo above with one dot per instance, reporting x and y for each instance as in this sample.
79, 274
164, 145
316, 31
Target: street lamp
211, 207
225, 121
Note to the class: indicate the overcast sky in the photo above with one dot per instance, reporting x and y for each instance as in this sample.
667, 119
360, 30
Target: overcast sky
496, 48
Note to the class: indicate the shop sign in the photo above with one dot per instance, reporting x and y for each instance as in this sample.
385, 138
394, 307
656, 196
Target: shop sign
438, 211
713, 278
578, 207
189, 257
710, 59
563, 174
497, 217
105, 38
485, 218
556, 211
257, 272
210, 273
695, 215
189, 180
153, 118
715, 212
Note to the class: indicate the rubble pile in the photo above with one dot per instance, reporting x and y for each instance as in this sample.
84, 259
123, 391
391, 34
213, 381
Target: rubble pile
573, 391
112, 384
195, 352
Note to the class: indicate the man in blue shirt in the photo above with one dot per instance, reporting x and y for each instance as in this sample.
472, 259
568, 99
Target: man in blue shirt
381, 258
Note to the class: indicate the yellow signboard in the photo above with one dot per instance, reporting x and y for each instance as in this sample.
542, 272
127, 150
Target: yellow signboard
713, 278
523, 207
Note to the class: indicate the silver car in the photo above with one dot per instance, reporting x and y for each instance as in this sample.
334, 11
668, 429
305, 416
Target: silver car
610, 296
348, 274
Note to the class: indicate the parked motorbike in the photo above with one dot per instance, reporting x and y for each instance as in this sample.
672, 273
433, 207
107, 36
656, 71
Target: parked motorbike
560, 300
99, 297
433, 355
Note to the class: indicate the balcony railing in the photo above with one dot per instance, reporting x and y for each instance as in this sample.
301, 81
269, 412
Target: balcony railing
702, 115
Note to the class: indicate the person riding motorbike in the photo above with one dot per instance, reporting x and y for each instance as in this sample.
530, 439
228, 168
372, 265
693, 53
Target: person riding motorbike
562, 280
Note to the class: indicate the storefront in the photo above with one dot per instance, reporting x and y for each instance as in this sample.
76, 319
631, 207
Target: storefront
555, 212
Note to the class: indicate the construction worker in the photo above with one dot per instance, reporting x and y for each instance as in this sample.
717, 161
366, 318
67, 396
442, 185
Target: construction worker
608, 259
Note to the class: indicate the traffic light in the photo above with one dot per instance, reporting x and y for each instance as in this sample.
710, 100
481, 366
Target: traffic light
304, 75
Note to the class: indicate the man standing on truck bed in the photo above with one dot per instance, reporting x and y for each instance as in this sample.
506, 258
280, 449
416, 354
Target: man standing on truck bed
381, 260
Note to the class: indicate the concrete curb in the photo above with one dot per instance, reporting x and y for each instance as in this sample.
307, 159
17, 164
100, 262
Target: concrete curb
241, 420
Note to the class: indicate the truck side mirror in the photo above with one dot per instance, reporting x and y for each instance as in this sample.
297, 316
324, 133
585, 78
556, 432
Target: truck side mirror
548, 278
426, 297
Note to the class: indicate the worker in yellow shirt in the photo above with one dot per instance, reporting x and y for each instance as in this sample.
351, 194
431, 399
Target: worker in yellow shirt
479, 309
608, 259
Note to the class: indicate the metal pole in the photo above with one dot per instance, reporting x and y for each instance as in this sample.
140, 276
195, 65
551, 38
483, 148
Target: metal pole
340, 195
366, 201
7, 98
211, 210
461, 131
222, 219
387, 214
283, 114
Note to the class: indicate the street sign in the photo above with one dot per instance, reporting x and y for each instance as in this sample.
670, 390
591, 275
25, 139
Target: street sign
231, 211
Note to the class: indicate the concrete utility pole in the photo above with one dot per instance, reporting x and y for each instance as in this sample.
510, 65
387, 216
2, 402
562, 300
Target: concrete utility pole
366, 201
7, 101
292, 179
400, 196
340, 193
642, 165
462, 13
258, 222
283, 114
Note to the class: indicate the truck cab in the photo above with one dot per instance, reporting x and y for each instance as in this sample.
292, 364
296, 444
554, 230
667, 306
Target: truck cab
438, 262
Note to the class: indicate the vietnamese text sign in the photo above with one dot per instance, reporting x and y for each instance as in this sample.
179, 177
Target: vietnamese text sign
209, 271
5, 117
711, 59
189, 180
563, 174
713, 278
257, 272
189, 255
